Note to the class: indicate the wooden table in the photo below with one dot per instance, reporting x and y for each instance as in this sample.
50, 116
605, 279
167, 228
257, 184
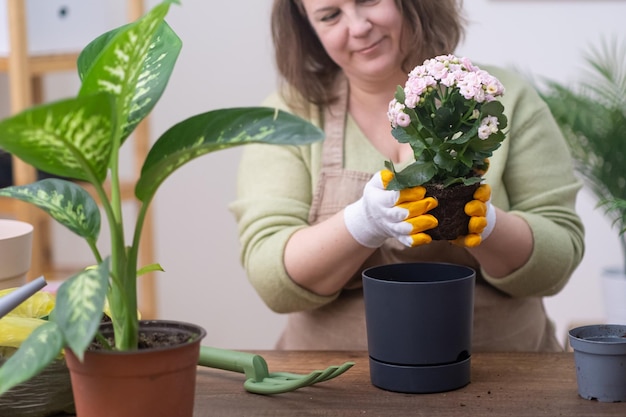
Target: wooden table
502, 384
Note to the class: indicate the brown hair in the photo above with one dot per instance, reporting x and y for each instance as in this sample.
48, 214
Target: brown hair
433, 27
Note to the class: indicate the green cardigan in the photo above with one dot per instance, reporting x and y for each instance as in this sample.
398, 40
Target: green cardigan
531, 175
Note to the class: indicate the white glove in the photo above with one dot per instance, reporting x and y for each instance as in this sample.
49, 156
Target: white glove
380, 214
482, 218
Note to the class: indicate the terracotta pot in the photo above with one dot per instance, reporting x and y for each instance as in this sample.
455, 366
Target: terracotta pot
451, 210
144, 382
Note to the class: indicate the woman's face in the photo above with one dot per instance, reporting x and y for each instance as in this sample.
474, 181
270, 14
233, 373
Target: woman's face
361, 36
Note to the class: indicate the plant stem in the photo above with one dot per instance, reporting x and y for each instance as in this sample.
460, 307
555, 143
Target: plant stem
125, 331
103, 341
94, 249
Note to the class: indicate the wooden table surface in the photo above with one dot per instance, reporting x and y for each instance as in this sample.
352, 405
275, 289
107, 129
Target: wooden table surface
502, 384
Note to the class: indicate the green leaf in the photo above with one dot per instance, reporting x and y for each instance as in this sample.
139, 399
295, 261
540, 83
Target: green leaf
414, 134
90, 53
492, 108
132, 63
617, 208
493, 142
466, 162
412, 175
67, 203
495, 108
215, 130
40, 349
445, 161
69, 138
400, 96
424, 122
150, 268
80, 305
403, 136
444, 122
471, 180
464, 138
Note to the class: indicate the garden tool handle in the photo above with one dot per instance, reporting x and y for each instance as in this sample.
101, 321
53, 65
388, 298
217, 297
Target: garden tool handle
250, 364
21, 294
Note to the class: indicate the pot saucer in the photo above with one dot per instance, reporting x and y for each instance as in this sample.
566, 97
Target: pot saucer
421, 379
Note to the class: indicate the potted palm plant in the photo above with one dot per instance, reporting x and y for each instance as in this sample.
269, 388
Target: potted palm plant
123, 74
592, 116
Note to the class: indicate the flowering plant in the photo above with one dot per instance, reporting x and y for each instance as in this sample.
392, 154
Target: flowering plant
448, 113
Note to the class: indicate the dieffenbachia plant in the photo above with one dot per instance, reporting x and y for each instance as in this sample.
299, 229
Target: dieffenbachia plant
123, 74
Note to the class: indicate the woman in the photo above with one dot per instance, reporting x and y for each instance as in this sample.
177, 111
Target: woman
341, 61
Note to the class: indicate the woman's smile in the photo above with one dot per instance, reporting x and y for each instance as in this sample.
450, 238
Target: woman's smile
371, 48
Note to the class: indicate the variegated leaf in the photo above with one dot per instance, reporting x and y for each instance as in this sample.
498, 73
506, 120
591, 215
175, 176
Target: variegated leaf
67, 202
215, 130
80, 305
154, 76
133, 63
69, 138
36, 352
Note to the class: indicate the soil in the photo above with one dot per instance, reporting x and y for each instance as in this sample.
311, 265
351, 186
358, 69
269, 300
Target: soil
151, 340
148, 339
451, 210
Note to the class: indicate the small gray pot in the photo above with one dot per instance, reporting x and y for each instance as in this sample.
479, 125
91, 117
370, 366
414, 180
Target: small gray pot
600, 357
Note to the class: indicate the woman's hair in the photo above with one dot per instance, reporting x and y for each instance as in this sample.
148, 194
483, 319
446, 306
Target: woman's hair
433, 27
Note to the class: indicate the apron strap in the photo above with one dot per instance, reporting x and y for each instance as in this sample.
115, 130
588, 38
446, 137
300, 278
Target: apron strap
334, 126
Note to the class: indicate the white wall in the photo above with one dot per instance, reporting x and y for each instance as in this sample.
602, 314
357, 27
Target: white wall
227, 61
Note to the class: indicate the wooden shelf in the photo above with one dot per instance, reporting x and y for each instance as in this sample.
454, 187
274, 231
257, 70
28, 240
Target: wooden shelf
42, 64
25, 72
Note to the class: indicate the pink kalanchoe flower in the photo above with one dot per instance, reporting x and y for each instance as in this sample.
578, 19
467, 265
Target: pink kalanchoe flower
488, 126
450, 79
396, 114
450, 72
445, 112
403, 120
467, 64
438, 70
415, 88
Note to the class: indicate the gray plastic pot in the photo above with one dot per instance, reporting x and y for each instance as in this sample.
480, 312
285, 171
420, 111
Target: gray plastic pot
419, 320
600, 357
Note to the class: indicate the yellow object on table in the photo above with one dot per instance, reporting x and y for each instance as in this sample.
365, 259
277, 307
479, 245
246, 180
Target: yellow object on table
48, 393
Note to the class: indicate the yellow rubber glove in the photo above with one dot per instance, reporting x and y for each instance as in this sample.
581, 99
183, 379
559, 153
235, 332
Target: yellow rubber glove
381, 214
482, 218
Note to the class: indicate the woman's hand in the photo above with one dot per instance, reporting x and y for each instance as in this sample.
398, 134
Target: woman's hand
381, 214
323, 257
482, 218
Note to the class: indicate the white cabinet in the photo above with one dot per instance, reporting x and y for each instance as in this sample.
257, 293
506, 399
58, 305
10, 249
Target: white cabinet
63, 26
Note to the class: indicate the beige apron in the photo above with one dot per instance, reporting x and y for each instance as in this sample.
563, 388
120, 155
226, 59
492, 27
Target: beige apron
501, 323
